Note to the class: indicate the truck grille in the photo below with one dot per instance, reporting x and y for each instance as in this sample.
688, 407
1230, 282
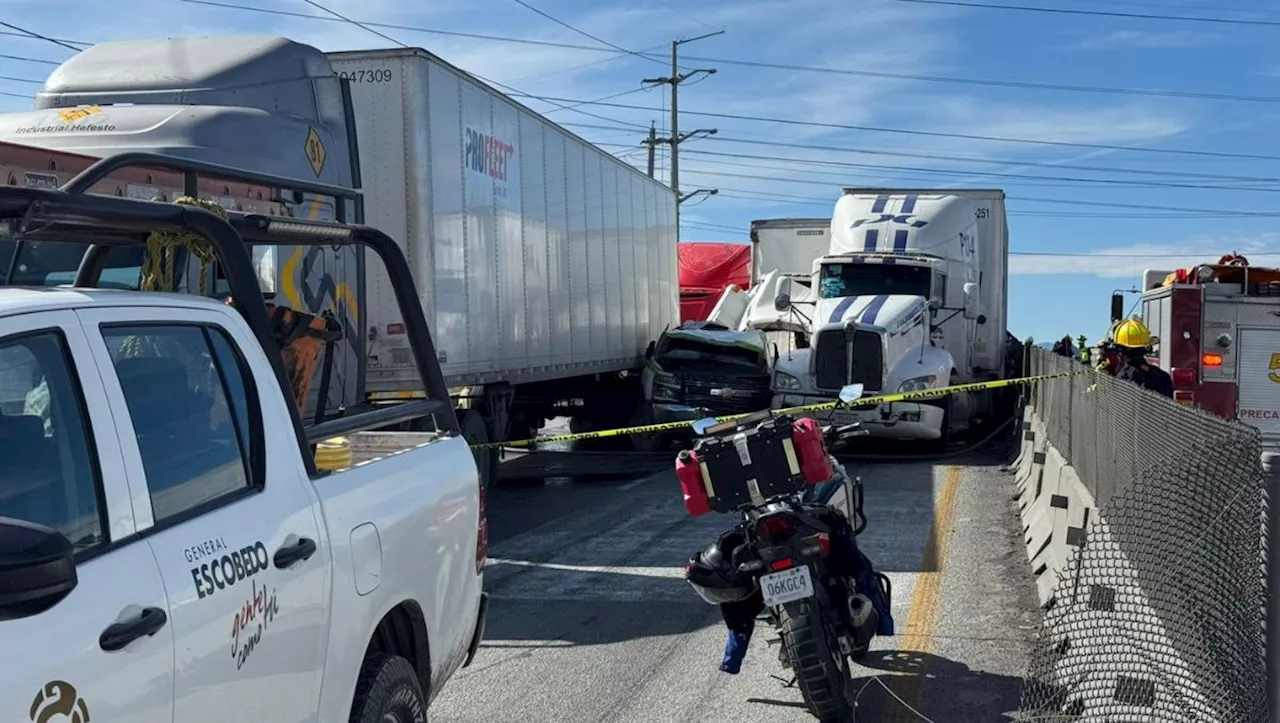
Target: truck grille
748, 393
831, 367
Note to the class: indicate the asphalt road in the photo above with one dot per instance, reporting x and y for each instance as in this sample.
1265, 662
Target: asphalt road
590, 620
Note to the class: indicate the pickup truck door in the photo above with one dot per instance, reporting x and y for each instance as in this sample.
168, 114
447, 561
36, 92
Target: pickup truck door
228, 506
105, 651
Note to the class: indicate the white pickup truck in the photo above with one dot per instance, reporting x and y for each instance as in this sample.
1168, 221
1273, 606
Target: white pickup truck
168, 550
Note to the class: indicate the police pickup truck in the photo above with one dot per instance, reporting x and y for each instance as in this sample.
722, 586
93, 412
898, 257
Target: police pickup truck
169, 550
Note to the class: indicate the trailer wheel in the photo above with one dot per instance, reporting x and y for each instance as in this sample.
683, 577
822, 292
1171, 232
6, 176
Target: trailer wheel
475, 431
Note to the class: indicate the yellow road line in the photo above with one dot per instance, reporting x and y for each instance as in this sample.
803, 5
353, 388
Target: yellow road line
921, 625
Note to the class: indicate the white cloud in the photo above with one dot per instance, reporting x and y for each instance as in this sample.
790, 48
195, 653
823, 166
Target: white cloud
1129, 261
1149, 40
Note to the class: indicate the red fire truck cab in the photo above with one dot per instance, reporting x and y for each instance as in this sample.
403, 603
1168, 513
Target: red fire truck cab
1219, 338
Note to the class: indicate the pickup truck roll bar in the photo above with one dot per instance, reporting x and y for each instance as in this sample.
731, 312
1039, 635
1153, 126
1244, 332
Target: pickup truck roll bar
44, 214
271, 231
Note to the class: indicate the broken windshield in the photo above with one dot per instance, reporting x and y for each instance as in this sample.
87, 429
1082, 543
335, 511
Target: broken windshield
678, 350
839, 280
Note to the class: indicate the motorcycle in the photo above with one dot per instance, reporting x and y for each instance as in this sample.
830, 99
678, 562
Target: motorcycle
791, 556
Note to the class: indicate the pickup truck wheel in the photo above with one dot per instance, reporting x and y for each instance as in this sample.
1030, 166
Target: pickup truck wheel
645, 442
475, 431
388, 691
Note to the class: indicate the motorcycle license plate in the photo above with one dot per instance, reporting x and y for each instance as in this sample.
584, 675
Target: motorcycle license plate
786, 586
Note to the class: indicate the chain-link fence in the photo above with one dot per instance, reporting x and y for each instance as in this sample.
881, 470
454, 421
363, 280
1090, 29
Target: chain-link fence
1159, 613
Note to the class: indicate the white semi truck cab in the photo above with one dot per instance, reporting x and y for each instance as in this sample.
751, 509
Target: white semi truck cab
910, 296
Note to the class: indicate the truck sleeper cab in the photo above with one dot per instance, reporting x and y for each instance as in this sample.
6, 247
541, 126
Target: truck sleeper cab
193, 562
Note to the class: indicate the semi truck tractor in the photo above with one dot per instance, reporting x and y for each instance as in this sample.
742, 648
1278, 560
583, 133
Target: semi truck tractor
545, 265
911, 295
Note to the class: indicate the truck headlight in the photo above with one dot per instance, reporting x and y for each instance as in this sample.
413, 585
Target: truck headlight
666, 388
918, 384
785, 382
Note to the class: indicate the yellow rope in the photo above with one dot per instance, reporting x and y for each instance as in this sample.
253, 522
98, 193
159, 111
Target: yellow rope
158, 266
162, 248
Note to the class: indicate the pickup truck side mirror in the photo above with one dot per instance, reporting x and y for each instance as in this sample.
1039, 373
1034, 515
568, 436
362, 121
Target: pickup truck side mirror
971, 301
37, 568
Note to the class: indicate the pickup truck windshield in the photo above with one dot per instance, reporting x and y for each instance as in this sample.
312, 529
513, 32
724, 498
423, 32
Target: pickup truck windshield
674, 352
839, 280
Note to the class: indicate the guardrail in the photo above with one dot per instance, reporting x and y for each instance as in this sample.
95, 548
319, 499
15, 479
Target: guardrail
1145, 523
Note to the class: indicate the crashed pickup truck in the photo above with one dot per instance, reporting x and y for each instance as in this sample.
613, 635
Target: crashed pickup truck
705, 369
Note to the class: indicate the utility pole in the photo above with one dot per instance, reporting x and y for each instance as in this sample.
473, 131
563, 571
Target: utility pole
652, 142
676, 137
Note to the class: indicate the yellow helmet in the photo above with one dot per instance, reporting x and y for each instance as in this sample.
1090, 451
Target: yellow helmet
1132, 334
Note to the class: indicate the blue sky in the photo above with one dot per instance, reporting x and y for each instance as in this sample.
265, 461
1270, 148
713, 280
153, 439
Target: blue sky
1070, 254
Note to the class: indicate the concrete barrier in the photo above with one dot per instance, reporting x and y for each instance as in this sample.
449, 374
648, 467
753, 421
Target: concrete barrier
1098, 652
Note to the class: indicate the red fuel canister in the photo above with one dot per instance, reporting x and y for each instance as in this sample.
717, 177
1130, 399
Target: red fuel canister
689, 472
811, 449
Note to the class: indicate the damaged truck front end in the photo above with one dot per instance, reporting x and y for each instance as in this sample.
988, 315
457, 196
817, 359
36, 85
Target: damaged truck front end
704, 369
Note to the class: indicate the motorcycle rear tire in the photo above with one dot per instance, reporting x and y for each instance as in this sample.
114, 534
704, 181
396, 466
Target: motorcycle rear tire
821, 671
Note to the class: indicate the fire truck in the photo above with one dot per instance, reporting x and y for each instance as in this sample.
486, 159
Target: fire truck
1218, 335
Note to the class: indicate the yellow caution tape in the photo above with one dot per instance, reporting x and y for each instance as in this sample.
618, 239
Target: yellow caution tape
862, 402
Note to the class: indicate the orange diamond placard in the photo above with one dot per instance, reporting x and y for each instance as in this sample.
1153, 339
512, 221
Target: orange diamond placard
315, 151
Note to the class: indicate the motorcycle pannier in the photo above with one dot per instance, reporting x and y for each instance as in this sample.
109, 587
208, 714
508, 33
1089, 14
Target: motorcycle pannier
749, 467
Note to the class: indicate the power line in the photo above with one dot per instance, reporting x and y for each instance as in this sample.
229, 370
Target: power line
897, 173
829, 203
715, 227
687, 17
400, 26
25, 59
583, 66
38, 36
941, 134
1101, 13
759, 64
1029, 199
641, 89
997, 83
964, 159
992, 174
338, 17
584, 33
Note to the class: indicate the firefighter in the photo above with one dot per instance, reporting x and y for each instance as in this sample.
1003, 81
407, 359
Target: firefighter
1133, 341
1109, 358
